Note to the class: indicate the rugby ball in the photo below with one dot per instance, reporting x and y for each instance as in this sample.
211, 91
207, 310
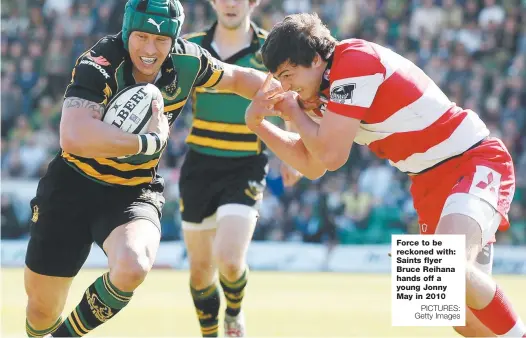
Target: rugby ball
131, 109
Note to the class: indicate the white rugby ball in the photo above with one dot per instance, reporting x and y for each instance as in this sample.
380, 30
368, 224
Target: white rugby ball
131, 109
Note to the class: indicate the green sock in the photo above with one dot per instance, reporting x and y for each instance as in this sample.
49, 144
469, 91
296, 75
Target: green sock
234, 293
207, 302
101, 301
31, 332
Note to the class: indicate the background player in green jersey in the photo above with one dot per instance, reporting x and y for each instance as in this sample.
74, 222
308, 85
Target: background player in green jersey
102, 187
223, 176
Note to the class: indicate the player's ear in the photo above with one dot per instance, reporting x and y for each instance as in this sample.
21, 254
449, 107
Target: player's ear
317, 61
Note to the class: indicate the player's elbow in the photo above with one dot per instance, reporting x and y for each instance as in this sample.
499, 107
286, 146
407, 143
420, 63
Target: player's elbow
71, 146
68, 143
314, 173
334, 160
232, 79
314, 169
71, 139
245, 81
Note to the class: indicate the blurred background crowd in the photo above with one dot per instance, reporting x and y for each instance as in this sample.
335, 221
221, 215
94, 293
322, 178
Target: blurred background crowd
475, 50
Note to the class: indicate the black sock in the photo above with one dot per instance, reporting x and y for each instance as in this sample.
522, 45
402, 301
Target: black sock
207, 302
234, 293
101, 301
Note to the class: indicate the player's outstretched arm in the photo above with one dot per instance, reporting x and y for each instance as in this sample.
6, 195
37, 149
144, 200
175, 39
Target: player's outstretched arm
82, 132
289, 175
244, 81
289, 147
331, 141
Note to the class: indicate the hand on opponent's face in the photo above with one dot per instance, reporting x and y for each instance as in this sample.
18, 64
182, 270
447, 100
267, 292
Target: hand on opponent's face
271, 100
264, 102
289, 106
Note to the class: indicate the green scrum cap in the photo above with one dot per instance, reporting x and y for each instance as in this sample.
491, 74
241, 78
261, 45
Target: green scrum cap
161, 17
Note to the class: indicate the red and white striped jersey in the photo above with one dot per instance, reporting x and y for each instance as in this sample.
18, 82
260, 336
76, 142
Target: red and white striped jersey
405, 117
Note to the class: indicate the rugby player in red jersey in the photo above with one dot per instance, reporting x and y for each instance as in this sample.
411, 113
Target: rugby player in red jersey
360, 92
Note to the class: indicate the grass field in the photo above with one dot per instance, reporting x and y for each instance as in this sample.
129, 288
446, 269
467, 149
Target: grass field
277, 305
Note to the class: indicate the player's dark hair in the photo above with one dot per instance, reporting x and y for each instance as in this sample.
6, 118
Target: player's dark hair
297, 39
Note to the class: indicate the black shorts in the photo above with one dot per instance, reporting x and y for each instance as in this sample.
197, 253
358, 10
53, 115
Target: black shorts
70, 212
208, 182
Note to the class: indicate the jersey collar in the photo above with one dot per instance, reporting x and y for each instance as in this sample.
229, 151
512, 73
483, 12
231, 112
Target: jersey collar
254, 47
325, 81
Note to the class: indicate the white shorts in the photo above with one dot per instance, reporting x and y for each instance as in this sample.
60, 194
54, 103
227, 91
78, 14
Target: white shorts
211, 222
487, 217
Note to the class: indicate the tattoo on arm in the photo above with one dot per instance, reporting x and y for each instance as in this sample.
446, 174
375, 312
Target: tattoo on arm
76, 102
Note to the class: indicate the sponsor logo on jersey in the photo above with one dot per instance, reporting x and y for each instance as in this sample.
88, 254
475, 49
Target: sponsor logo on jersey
171, 91
96, 66
343, 92
100, 60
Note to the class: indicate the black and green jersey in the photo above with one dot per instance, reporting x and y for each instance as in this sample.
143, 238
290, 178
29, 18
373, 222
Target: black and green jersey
106, 68
218, 126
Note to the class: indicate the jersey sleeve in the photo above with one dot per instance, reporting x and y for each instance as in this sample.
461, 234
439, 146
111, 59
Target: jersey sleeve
354, 81
92, 78
211, 70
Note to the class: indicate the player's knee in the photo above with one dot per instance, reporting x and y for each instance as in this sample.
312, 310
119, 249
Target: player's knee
229, 262
458, 224
202, 273
40, 315
131, 270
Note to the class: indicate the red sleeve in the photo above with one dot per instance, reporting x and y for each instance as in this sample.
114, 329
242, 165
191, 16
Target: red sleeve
355, 78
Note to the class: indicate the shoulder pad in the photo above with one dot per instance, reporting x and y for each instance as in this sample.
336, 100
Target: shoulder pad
183, 46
